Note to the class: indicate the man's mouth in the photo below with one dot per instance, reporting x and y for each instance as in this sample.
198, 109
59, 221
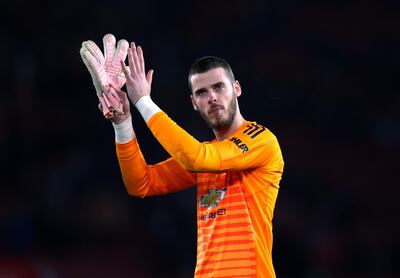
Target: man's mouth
215, 108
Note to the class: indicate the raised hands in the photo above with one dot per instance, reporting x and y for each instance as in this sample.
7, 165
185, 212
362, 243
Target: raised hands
106, 72
109, 74
138, 83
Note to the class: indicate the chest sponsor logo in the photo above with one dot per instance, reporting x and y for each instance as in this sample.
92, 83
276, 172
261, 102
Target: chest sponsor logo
212, 198
213, 214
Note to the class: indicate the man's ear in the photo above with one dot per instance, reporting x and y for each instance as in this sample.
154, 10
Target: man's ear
237, 89
194, 103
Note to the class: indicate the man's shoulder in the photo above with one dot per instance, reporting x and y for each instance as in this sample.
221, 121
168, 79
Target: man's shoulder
252, 136
250, 132
254, 132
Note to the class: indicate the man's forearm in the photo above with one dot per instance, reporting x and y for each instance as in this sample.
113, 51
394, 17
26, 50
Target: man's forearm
143, 180
183, 147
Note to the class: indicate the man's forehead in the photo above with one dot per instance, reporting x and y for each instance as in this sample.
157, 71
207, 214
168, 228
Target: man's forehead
208, 78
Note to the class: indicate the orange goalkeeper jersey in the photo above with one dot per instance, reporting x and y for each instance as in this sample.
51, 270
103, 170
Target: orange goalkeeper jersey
237, 185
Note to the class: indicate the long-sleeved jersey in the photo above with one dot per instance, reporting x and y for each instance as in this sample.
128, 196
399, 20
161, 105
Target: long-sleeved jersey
237, 185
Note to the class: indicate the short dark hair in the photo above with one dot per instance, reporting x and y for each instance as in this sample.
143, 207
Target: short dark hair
208, 63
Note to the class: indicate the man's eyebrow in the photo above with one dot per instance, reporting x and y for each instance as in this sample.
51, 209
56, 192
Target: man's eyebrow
217, 84
198, 91
201, 90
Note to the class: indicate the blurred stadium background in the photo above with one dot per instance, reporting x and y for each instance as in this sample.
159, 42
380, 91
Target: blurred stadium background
323, 76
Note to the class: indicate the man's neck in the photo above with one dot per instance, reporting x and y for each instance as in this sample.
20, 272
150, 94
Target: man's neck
226, 132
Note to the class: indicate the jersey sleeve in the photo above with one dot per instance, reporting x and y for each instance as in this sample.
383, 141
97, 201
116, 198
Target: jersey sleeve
241, 151
143, 180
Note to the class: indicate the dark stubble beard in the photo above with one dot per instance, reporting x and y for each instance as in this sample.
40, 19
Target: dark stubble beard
221, 124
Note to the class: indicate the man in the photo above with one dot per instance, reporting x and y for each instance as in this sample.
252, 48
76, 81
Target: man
237, 174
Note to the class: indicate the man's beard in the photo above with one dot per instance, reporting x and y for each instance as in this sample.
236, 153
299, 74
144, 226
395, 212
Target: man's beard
221, 124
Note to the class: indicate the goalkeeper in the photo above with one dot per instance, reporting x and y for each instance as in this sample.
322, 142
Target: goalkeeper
237, 174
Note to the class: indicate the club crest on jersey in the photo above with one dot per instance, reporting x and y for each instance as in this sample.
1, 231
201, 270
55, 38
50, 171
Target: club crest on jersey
212, 198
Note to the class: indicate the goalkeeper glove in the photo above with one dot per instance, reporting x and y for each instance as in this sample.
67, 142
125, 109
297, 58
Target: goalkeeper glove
106, 71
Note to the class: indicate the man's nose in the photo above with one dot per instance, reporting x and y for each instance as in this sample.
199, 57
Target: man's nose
212, 96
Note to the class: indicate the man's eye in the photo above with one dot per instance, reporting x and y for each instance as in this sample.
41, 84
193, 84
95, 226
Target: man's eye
219, 86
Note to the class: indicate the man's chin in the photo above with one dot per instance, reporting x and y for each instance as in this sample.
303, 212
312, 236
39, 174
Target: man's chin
219, 124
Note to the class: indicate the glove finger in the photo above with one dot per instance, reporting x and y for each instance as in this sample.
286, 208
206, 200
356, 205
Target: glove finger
120, 54
98, 73
109, 49
85, 61
94, 50
89, 62
87, 57
114, 71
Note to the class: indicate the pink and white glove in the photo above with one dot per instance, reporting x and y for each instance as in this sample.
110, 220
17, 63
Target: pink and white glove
106, 71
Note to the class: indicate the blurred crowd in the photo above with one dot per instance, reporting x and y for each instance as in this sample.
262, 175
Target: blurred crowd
323, 77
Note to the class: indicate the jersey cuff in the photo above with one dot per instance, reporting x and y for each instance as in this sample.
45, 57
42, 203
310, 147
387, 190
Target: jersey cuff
147, 108
124, 131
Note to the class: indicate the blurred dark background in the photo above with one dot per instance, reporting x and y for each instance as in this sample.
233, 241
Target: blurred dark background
323, 76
